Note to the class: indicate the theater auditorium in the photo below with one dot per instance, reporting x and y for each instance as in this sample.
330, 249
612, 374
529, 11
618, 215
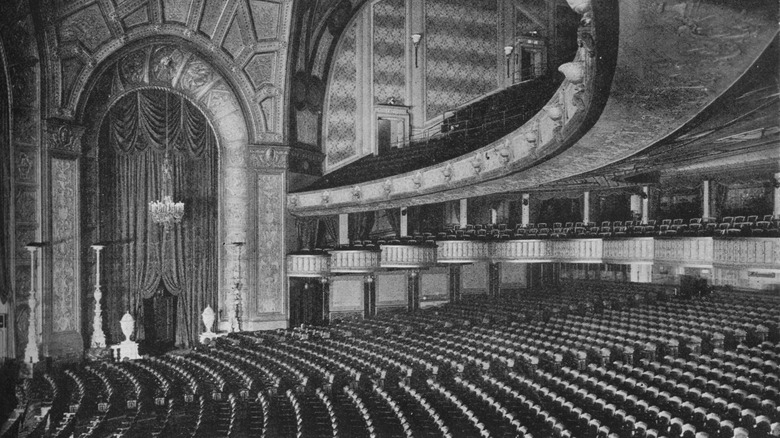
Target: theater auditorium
389, 218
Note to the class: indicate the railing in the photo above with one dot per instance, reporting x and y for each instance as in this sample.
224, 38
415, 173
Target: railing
462, 251
308, 265
408, 256
354, 260
743, 252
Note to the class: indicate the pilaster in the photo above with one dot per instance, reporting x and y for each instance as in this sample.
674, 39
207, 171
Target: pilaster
265, 302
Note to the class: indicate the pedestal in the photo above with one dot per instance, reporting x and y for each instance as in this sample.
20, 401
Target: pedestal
126, 349
31, 350
208, 317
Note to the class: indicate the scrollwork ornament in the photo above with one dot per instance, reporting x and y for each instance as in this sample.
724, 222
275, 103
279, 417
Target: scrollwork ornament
447, 172
476, 164
387, 187
270, 158
417, 180
504, 153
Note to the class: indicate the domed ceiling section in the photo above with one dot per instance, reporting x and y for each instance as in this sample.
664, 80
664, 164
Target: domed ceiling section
673, 60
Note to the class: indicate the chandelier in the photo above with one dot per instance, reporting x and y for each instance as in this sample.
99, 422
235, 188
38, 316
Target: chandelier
166, 212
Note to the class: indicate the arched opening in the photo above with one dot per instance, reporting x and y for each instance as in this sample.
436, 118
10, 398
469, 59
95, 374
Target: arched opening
180, 75
143, 135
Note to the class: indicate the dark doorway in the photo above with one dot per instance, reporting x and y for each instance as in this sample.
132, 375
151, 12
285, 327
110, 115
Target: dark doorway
160, 321
306, 302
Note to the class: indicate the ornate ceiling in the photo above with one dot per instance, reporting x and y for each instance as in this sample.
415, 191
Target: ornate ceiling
674, 60
245, 39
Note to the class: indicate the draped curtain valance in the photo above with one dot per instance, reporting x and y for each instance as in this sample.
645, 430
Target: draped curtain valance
139, 121
140, 256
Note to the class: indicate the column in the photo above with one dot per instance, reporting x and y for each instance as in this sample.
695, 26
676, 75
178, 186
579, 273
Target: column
404, 221
464, 212
31, 351
258, 262
645, 204
776, 210
705, 198
586, 207
494, 279
413, 290
525, 211
369, 296
98, 337
454, 285
325, 286
344, 229
60, 282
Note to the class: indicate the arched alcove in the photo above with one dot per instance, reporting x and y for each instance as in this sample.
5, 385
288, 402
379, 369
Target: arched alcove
167, 69
144, 135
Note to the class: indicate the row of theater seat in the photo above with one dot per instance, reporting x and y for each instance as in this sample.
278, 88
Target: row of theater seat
769, 226
593, 360
697, 227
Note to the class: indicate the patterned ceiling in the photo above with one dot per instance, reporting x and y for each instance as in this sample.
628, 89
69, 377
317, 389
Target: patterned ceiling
245, 39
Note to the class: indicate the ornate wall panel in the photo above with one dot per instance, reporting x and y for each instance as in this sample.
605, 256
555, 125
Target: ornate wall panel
634, 250
461, 38
578, 250
389, 42
346, 294
474, 278
391, 289
519, 250
20, 50
340, 135
434, 285
65, 242
462, 251
269, 300
752, 253
684, 251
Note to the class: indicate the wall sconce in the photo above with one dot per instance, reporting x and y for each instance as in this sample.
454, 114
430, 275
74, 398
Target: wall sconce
416, 38
508, 50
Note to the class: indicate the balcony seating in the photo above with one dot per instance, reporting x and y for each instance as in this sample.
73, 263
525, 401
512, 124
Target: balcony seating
468, 129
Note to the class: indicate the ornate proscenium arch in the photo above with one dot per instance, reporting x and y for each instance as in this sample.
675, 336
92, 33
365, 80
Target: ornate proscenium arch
170, 67
245, 40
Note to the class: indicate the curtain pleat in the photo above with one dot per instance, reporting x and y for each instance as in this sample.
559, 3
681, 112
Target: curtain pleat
331, 224
140, 255
394, 218
360, 225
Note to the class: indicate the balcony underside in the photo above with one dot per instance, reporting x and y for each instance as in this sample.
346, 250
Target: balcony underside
672, 62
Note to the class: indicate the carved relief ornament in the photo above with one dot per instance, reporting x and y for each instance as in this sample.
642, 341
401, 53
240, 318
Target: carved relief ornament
269, 157
63, 136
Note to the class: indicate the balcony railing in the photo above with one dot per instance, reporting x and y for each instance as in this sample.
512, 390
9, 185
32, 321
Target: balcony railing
740, 252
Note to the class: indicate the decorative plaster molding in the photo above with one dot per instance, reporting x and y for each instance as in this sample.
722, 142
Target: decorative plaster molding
268, 157
64, 136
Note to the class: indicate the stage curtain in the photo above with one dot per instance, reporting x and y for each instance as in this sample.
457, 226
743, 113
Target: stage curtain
307, 228
140, 255
394, 218
360, 225
331, 235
